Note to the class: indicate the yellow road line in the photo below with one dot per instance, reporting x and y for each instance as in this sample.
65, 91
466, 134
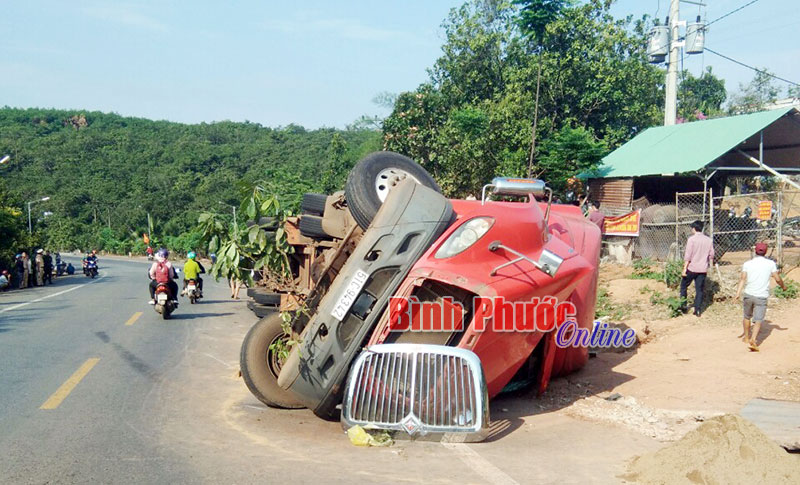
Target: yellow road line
62, 392
133, 318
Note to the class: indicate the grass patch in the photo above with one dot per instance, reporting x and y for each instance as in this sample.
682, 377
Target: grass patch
606, 307
791, 291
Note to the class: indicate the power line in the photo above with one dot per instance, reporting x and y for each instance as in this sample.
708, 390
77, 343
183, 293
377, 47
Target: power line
751, 67
712, 22
731, 13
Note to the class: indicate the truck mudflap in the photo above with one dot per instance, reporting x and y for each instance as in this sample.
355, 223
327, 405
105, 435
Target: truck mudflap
407, 224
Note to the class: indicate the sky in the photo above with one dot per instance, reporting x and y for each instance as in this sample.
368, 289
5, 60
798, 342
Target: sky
312, 63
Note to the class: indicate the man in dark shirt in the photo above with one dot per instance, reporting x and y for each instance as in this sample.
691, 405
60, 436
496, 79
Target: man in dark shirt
48, 268
596, 216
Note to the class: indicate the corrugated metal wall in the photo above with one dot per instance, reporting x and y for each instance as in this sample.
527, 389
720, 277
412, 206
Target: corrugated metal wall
615, 195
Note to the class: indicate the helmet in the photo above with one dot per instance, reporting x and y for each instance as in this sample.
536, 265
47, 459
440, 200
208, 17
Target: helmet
163, 253
191, 255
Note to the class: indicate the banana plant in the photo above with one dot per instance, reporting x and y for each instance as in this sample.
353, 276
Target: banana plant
243, 249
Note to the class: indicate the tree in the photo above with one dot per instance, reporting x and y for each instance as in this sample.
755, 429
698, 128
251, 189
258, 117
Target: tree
701, 97
755, 95
534, 17
472, 120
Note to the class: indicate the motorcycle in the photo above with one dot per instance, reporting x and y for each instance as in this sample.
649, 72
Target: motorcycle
91, 269
165, 304
192, 292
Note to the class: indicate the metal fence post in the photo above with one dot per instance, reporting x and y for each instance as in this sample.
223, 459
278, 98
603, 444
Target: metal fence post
779, 232
711, 214
677, 222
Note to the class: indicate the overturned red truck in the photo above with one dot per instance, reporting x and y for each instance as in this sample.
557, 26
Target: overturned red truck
395, 248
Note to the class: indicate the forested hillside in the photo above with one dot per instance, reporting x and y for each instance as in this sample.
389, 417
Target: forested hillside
105, 172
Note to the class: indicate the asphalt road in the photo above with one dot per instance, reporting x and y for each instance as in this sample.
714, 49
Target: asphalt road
92, 391
78, 358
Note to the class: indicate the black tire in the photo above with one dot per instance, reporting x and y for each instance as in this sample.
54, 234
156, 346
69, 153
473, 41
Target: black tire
265, 298
260, 366
361, 190
314, 204
192, 300
262, 311
165, 314
311, 226
268, 223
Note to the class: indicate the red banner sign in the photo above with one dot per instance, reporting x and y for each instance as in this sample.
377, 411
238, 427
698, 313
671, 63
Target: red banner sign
625, 225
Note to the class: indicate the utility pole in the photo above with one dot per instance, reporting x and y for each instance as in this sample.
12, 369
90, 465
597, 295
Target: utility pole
671, 101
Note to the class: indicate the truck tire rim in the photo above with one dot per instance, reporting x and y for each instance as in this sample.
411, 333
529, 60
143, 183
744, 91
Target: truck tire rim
274, 361
388, 178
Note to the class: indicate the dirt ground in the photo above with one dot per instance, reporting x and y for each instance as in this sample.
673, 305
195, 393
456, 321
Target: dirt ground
687, 367
587, 428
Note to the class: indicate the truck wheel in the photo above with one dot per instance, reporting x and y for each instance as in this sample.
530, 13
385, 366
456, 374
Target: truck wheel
374, 176
314, 204
265, 298
261, 366
311, 226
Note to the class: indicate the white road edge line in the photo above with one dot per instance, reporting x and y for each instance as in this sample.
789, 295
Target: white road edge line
20, 305
480, 465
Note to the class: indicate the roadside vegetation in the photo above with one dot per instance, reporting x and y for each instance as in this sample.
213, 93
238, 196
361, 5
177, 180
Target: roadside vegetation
541, 88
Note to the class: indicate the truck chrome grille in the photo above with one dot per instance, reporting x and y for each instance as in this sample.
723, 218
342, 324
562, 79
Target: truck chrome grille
419, 389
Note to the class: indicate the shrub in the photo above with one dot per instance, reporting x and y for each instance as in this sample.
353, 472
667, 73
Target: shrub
791, 291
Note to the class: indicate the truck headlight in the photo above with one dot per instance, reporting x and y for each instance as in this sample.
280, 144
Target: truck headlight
465, 236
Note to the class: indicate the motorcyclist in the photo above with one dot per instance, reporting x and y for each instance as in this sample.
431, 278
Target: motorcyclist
90, 258
161, 271
149, 252
192, 270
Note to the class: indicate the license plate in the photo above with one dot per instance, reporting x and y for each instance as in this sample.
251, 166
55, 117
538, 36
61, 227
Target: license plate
162, 297
349, 294
191, 287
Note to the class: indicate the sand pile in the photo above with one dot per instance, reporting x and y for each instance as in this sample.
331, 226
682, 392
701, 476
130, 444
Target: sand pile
723, 450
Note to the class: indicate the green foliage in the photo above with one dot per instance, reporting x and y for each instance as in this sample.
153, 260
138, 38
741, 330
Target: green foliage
791, 292
535, 15
674, 303
605, 307
472, 120
105, 173
672, 273
647, 269
704, 94
241, 249
755, 95
643, 269
568, 152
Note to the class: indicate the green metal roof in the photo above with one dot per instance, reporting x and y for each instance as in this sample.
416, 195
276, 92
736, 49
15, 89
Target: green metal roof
686, 147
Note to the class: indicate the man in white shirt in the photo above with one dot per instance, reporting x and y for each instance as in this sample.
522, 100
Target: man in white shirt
756, 274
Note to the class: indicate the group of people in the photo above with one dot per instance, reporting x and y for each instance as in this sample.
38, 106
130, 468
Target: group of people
753, 289
163, 272
28, 272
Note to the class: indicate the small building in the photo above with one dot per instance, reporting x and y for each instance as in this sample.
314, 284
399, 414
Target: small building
653, 168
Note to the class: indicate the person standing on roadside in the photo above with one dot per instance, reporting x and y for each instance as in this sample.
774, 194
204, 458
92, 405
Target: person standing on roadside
596, 216
755, 283
698, 256
48, 268
27, 275
39, 265
19, 270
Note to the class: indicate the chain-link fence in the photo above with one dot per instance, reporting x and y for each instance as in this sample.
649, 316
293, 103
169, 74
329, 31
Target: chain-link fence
735, 222
665, 227
740, 221
790, 229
